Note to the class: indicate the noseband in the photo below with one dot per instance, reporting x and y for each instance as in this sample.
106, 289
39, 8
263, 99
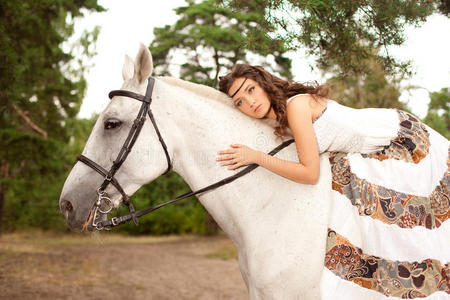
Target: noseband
104, 204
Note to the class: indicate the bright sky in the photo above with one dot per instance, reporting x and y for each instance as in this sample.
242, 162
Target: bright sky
128, 23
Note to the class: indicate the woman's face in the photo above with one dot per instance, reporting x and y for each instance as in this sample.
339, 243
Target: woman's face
249, 97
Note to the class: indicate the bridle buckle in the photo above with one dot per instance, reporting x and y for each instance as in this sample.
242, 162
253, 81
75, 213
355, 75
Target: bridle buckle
115, 221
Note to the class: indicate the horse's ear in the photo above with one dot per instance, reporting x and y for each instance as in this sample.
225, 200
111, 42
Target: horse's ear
128, 68
143, 65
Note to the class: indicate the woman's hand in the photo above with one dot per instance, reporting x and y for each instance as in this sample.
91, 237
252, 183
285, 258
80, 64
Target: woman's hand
238, 156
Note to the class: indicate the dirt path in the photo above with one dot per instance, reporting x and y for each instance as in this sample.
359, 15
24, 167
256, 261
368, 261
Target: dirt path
110, 266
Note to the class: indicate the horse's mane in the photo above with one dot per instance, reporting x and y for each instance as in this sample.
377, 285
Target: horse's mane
211, 93
199, 89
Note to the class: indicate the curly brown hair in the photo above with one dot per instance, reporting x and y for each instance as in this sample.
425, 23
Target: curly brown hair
278, 90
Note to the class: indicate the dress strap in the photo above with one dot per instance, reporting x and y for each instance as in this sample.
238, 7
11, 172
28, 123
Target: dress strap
287, 101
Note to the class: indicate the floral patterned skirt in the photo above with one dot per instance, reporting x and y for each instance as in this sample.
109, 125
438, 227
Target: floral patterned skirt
389, 230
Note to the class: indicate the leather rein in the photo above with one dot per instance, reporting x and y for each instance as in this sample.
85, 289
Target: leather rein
104, 205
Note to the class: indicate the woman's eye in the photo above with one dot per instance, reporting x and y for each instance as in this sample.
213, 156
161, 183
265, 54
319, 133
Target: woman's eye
251, 89
112, 123
238, 103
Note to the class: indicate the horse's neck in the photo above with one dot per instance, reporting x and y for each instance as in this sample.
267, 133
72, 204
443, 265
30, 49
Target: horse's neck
204, 127
205, 123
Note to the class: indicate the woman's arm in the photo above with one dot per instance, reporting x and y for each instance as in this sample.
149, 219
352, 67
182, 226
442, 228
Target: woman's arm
289, 169
299, 116
307, 170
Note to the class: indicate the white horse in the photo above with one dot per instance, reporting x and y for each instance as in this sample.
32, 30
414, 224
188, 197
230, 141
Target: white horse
278, 226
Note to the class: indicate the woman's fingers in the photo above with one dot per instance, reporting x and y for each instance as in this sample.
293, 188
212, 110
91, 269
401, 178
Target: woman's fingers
230, 162
228, 151
232, 159
235, 166
225, 157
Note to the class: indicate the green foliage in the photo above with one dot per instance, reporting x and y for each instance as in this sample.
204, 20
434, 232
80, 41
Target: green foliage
31, 34
438, 116
186, 216
40, 93
374, 89
33, 189
343, 33
212, 39
33, 203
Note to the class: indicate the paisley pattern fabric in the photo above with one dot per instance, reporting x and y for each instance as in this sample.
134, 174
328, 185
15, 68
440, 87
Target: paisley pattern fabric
390, 206
440, 198
411, 144
400, 279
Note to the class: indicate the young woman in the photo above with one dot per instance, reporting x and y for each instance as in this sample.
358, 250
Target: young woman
390, 180
259, 94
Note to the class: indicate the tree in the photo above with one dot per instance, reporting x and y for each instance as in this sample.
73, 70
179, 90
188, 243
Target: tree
343, 33
375, 89
40, 90
444, 7
212, 39
438, 116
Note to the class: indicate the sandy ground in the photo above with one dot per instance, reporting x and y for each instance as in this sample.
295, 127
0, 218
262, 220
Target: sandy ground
109, 266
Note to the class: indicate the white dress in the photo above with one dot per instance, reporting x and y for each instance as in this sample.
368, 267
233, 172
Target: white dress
389, 230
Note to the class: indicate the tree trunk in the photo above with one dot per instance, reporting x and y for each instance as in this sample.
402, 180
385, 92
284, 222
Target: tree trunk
2, 204
4, 171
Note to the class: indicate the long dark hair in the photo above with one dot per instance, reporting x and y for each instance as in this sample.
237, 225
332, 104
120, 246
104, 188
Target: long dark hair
278, 90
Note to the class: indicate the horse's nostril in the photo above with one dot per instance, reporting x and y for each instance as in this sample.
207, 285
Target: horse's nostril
68, 206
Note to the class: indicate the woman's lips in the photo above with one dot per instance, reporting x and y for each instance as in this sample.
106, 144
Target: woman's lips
256, 109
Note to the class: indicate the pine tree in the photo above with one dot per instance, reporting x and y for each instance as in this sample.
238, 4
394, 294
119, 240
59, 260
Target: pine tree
344, 33
212, 39
40, 90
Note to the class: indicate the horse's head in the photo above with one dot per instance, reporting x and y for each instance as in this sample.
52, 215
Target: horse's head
146, 160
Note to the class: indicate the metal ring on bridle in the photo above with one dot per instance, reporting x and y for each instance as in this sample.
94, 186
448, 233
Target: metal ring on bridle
106, 200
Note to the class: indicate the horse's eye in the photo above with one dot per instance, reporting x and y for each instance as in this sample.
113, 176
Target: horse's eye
112, 123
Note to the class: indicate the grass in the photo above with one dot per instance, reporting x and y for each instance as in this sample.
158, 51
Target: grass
38, 242
46, 238
224, 252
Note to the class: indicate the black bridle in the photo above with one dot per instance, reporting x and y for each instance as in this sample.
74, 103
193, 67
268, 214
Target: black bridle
104, 204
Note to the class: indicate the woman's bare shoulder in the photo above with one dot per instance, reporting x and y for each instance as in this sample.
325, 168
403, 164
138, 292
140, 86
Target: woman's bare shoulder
298, 108
299, 102
299, 98
314, 103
